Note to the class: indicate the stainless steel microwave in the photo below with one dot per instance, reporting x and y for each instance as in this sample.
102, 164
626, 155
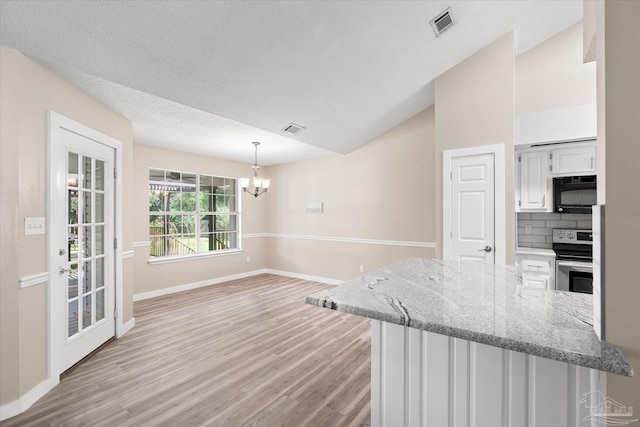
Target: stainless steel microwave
574, 194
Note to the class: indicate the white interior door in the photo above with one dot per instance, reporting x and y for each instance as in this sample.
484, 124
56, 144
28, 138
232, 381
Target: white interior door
472, 210
82, 228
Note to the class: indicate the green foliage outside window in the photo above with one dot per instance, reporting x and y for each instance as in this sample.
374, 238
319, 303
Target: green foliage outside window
191, 213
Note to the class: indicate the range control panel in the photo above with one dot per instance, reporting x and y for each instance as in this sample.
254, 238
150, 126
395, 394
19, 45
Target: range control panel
584, 237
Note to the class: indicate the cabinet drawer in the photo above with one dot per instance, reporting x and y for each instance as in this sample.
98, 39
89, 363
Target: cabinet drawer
539, 282
535, 266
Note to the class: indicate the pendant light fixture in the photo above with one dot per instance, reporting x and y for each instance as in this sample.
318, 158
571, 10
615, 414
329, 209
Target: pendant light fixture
257, 185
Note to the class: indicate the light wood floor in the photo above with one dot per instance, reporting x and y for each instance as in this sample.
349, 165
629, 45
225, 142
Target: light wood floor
243, 353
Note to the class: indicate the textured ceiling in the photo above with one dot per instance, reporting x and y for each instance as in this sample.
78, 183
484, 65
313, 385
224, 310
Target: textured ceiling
210, 77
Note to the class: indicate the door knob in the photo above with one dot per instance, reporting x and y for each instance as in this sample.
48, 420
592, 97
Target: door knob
62, 270
62, 251
485, 249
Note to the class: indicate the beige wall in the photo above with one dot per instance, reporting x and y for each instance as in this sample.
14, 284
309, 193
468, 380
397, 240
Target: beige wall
381, 191
161, 276
475, 107
28, 92
552, 75
620, 135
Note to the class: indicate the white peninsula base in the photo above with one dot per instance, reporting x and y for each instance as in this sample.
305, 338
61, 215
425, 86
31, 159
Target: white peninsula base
420, 378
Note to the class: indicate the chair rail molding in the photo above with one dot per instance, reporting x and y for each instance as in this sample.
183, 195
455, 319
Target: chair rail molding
34, 279
382, 242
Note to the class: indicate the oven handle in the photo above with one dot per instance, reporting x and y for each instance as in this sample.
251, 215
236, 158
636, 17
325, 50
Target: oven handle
580, 266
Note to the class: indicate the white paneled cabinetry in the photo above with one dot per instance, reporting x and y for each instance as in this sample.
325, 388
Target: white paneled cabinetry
421, 378
536, 166
573, 160
538, 270
534, 189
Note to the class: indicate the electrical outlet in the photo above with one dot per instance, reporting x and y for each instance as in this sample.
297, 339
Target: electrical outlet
362, 269
527, 229
248, 259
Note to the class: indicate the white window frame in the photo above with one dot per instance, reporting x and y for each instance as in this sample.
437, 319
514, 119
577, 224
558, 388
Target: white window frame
213, 253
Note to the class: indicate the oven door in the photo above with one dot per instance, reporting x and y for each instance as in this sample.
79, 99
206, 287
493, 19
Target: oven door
574, 276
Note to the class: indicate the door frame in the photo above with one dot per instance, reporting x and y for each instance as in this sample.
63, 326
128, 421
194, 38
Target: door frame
57, 123
499, 197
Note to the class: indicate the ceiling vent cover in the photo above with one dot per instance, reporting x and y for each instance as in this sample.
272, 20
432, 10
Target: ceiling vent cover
293, 128
442, 22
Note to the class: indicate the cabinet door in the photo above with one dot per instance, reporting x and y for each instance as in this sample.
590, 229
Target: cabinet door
535, 281
573, 160
533, 181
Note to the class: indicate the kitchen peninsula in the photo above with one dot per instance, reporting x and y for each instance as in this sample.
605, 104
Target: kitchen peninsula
459, 343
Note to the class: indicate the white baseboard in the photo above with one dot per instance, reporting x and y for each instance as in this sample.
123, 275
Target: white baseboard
123, 329
305, 277
17, 407
195, 285
203, 283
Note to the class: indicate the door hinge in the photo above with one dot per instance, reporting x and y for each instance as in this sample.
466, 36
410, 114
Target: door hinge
451, 234
520, 203
550, 168
115, 243
115, 313
519, 159
451, 176
115, 173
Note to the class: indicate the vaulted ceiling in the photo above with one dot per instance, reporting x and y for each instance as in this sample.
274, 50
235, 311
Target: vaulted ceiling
211, 77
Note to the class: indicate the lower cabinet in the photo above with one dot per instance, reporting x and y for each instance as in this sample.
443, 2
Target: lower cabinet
538, 271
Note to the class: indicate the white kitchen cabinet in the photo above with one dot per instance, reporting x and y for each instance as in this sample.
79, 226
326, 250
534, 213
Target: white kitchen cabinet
538, 271
533, 183
573, 160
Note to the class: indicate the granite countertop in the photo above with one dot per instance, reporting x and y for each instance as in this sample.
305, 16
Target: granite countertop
535, 251
484, 303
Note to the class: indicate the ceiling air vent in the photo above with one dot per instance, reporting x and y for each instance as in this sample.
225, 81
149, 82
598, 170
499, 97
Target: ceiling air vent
293, 128
442, 22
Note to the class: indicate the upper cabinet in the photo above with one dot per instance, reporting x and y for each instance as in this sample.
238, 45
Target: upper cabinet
536, 166
533, 181
574, 160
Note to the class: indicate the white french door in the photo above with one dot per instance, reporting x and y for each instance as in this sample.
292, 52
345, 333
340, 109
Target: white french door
82, 255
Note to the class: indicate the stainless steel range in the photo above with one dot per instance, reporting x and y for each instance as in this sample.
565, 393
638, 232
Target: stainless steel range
574, 256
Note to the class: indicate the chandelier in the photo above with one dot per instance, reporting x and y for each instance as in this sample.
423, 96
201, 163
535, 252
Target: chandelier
257, 185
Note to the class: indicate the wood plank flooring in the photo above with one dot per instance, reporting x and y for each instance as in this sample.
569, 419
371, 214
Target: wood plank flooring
243, 353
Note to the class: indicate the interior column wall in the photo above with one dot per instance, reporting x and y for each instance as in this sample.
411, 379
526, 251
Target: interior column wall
475, 107
620, 34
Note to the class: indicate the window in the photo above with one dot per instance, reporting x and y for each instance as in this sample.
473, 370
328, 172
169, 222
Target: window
191, 213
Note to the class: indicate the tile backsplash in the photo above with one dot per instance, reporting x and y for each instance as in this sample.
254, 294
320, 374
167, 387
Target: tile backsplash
542, 225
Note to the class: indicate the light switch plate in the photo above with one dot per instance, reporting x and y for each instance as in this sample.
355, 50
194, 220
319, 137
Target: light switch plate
34, 225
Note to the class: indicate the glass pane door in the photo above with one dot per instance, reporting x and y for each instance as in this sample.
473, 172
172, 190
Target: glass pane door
86, 231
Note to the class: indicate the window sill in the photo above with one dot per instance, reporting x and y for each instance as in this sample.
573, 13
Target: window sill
180, 258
